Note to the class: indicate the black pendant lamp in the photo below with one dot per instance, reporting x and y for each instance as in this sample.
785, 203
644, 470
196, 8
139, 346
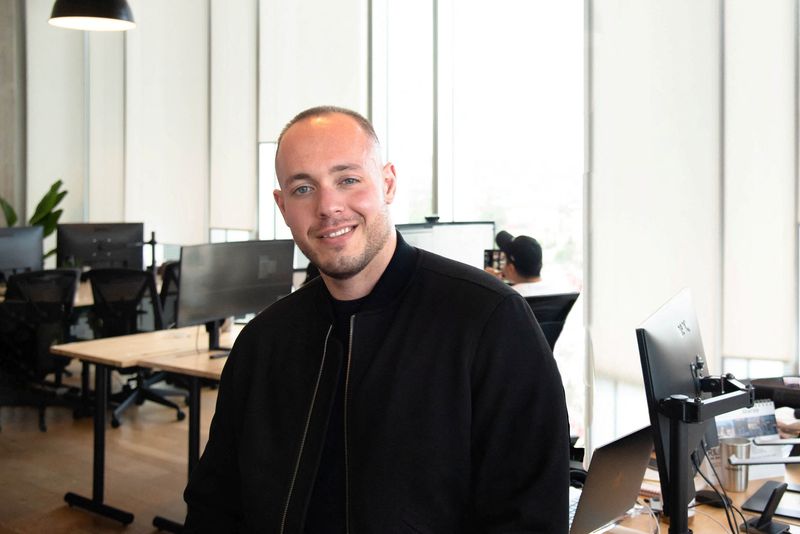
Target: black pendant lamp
92, 15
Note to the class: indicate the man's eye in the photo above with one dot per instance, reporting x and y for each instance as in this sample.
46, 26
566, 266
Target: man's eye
302, 190
350, 181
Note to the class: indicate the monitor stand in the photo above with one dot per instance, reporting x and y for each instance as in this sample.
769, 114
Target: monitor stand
212, 327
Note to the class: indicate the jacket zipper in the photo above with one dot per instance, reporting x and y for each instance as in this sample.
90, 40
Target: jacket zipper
346, 456
305, 433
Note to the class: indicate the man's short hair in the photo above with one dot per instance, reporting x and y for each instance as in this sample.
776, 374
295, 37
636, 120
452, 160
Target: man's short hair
319, 111
523, 251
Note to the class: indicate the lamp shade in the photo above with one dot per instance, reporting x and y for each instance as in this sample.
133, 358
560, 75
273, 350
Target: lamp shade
92, 15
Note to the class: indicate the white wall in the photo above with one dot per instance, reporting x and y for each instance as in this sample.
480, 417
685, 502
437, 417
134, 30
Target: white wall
311, 53
654, 210
162, 122
234, 118
167, 126
106, 120
55, 110
692, 182
760, 274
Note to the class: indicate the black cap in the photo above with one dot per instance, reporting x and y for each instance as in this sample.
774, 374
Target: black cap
523, 251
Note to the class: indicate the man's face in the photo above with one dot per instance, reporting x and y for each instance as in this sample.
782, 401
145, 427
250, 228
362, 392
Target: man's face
334, 193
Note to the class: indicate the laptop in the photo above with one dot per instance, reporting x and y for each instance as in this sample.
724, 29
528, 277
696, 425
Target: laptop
612, 482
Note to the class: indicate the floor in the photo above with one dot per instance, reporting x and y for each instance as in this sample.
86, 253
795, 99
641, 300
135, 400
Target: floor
146, 467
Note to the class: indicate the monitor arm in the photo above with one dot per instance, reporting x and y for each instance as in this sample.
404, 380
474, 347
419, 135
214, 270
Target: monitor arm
728, 394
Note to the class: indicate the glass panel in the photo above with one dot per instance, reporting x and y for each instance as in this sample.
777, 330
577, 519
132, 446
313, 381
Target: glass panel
517, 139
408, 86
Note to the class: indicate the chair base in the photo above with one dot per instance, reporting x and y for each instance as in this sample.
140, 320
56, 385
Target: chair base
143, 392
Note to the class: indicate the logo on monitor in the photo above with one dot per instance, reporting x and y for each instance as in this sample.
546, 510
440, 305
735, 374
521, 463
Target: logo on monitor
683, 328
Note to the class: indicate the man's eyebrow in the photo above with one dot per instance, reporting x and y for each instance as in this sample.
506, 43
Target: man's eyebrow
303, 176
298, 177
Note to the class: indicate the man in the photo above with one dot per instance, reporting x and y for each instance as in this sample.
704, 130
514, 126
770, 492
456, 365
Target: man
523, 266
397, 392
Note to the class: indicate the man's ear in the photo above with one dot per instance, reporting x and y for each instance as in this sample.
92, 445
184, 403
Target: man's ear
277, 194
389, 182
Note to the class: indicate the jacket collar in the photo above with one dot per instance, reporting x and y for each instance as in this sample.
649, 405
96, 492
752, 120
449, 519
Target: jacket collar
391, 283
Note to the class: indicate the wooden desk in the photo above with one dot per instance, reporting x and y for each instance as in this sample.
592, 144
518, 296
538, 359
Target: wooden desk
83, 295
183, 350
706, 517
194, 366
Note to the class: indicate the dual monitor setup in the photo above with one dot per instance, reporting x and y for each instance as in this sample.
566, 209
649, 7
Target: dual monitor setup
216, 280
82, 246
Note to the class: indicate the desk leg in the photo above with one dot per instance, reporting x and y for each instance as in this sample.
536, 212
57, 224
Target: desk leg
194, 448
95, 504
194, 422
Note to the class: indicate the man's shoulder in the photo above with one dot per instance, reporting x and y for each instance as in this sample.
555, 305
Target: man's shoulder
450, 274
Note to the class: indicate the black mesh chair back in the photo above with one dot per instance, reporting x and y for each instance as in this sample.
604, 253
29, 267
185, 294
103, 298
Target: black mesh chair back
50, 292
170, 285
118, 295
41, 303
551, 312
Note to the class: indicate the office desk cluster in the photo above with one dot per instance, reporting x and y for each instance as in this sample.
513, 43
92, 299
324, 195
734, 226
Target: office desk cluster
182, 351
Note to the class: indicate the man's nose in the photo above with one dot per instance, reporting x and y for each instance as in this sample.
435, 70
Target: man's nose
330, 201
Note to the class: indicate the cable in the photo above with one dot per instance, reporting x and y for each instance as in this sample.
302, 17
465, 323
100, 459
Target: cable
727, 499
711, 518
728, 513
744, 520
652, 515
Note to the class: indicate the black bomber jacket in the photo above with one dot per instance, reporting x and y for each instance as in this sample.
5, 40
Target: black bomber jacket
455, 419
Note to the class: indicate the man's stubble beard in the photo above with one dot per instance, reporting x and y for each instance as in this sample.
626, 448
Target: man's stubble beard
344, 267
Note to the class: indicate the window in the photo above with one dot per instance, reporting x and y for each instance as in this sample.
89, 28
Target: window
507, 125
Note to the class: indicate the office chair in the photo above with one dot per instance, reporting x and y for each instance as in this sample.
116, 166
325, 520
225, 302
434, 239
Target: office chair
170, 285
36, 314
551, 312
119, 294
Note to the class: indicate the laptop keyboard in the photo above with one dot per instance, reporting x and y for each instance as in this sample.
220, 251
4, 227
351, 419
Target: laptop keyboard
574, 497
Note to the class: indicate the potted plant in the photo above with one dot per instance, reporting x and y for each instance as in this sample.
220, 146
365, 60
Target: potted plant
46, 215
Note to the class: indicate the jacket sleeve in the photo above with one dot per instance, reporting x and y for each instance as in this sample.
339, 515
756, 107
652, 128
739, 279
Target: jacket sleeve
212, 494
520, 432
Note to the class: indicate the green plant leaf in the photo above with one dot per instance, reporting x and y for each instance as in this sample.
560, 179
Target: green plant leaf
50, 222
49, 253
48, 202
8, 211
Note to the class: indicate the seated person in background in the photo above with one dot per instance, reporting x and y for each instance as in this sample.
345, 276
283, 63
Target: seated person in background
523, 266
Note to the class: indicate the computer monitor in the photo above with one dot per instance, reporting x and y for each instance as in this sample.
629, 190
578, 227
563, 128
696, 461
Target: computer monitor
670, 348
98, 245
20, 250
220, 280
460, 241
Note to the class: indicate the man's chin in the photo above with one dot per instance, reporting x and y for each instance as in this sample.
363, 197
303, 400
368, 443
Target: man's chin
342, 270
339, 275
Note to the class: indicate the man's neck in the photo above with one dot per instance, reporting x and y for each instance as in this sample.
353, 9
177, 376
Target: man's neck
529, 280
361, 284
